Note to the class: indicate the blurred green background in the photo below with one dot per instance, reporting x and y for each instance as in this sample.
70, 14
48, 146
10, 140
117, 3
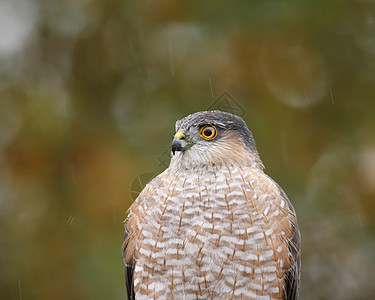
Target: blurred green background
90, 91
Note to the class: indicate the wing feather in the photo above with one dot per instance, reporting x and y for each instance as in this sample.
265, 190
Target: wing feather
129, 265
292, 274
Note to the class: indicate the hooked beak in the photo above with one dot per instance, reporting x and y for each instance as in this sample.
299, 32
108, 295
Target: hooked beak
179, 143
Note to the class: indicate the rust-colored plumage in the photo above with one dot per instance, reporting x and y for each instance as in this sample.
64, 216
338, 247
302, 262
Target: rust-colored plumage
213, 225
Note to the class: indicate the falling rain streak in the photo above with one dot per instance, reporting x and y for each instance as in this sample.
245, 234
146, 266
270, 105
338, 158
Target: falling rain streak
330, 92
19, 289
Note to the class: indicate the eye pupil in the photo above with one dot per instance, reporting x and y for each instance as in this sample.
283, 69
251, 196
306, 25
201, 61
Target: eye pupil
207, 132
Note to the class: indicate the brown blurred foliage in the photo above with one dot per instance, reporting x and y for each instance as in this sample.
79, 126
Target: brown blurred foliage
90, 91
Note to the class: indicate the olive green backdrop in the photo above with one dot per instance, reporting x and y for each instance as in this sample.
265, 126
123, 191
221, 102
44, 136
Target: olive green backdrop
90, 91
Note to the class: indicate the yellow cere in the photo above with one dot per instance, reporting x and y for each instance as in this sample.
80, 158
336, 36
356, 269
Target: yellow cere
180, 134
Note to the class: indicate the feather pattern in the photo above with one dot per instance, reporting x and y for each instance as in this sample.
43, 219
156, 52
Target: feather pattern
213, 225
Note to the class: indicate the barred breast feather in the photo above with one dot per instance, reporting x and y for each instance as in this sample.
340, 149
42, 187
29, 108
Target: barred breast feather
212, 233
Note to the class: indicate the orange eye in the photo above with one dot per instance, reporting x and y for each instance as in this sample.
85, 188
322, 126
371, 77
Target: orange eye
208, 132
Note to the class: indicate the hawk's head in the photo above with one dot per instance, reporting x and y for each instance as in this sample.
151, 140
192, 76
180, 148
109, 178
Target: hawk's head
213, 138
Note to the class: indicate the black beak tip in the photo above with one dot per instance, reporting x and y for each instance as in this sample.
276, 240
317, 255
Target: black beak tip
176, 146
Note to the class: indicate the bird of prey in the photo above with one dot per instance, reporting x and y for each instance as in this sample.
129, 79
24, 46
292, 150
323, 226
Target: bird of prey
213, 225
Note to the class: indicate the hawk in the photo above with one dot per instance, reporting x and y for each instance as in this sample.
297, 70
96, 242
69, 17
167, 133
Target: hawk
213, 225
